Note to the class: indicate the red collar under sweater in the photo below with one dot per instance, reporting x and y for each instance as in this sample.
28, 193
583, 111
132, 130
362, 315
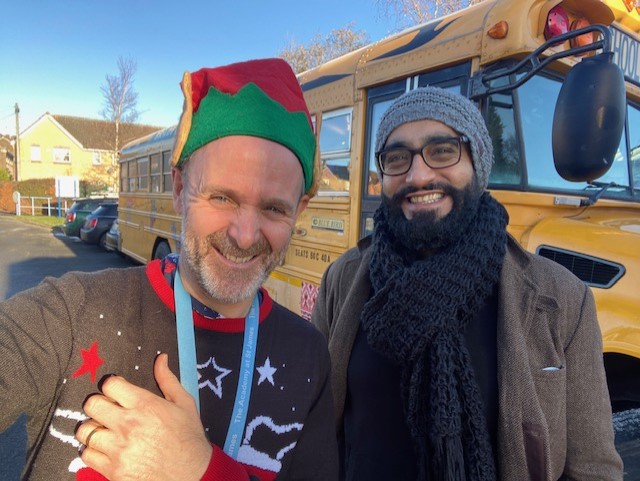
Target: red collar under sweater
164, 289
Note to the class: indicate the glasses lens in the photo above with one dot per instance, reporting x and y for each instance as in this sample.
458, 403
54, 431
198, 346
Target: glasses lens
395, 161
442, 152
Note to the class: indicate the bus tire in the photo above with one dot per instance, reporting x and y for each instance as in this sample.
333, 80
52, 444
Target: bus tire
161, 250
623, 379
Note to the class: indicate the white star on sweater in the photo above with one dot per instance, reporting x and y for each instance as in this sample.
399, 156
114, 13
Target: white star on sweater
266, 372
220, 371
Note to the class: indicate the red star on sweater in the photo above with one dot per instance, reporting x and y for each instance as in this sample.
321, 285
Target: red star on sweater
91, 361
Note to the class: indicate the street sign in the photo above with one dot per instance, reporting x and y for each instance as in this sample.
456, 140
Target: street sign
68, 186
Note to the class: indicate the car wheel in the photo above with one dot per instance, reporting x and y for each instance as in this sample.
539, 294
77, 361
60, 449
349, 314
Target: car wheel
162, 250
102, 241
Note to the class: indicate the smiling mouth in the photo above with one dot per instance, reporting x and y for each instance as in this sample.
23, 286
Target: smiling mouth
426, 199
237, 260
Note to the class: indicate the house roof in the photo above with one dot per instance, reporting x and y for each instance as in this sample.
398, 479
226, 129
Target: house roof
100, 134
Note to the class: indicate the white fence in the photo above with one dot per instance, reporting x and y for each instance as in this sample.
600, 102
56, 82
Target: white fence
41, 206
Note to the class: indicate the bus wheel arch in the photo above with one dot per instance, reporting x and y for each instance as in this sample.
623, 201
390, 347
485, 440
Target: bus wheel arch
161, 249
623, 379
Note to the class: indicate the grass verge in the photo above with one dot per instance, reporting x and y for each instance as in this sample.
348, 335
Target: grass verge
53, 222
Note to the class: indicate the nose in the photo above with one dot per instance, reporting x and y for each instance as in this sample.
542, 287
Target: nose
244, 228
420, 173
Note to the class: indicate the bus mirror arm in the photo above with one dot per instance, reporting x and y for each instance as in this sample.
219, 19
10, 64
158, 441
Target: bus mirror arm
532, 63
593, 198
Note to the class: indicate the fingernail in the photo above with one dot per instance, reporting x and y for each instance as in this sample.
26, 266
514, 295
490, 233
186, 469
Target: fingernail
103, 379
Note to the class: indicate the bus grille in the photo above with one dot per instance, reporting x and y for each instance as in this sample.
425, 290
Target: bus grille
591, 270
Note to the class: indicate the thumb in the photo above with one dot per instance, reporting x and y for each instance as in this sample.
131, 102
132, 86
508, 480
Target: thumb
169, 383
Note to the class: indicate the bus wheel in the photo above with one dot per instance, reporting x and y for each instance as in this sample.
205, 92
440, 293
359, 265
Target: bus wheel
623, 378
162, 250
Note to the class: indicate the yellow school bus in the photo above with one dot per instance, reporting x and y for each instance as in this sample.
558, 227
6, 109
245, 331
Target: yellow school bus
149, 226
592, 228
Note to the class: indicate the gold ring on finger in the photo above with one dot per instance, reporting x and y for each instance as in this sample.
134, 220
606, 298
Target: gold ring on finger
93, 431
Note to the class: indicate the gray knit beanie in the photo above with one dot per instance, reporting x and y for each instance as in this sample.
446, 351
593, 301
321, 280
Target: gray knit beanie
451, 109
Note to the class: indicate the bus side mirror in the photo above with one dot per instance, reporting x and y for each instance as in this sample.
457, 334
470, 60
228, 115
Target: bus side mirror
589, 119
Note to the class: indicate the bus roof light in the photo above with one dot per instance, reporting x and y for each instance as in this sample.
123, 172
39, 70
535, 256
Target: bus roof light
499, 30
585, 39
630, 4
557, 22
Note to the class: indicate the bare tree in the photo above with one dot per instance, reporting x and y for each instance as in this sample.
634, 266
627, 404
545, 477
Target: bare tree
323, 48
413, 12
120, 104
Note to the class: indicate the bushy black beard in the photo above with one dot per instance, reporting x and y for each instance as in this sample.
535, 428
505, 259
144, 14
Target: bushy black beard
425, 233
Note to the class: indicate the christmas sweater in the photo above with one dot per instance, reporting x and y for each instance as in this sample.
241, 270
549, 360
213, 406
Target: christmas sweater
58, 339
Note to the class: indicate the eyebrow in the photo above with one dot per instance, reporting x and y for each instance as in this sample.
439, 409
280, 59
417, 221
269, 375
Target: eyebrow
279, 204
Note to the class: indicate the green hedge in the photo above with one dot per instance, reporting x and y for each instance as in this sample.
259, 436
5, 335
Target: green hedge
39, 188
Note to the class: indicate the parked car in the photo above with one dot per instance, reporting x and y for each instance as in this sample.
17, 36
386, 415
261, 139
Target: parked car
80, 209
98, 223
112, 240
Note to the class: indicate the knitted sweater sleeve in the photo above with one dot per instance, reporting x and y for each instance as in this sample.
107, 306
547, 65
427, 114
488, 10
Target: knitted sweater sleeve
35, 345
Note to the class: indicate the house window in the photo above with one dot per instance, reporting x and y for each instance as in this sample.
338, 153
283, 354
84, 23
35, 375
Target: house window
36, 153
96, 158
61, 155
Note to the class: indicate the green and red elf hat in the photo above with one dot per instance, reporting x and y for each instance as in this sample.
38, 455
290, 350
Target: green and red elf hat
260, 98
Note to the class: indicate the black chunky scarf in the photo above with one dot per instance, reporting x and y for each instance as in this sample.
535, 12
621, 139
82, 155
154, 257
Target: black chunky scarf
416, 318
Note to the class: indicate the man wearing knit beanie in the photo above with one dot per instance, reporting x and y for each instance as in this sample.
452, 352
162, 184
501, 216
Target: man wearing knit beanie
456, 354
253, 398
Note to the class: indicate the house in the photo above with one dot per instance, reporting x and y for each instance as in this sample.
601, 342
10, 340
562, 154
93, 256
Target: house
61, 145
6, 153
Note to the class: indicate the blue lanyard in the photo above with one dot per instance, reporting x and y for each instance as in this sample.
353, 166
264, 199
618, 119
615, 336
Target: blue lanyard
187, 358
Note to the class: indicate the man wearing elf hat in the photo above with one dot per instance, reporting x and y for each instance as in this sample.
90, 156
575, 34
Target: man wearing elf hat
457, 355
253, 400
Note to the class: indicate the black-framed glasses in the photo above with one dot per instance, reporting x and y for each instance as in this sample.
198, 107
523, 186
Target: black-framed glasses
438, 153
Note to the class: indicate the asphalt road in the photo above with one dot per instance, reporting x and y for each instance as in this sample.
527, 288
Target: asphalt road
29, 253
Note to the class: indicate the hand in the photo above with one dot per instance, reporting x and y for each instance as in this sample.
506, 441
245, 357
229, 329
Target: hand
144, 436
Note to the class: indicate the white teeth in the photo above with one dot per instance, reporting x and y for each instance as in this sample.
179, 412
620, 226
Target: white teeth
426, 199
238, 260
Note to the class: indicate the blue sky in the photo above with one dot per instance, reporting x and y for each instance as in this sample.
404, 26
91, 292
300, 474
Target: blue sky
55, 54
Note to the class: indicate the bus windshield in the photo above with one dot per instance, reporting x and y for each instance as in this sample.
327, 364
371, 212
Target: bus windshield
527, 113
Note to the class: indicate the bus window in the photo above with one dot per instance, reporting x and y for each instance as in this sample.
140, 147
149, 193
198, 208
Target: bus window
335, 152
167, 183
133, 175
633, 130
537, 100
373, 183
124, 177
156, 173
143, 173
507, 166
537, 103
